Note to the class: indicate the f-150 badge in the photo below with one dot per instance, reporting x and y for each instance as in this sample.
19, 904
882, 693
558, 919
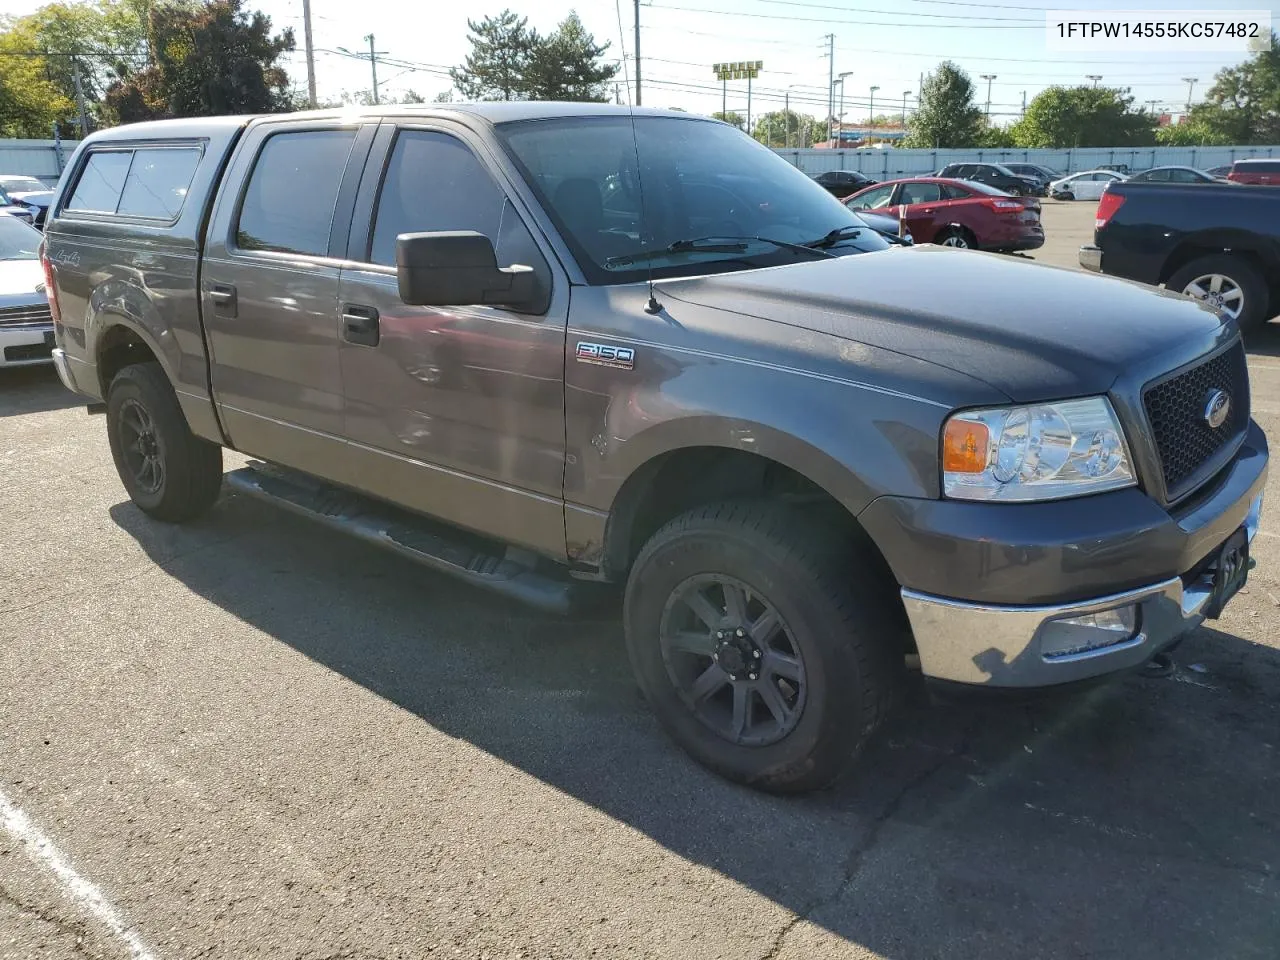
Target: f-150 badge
606, 355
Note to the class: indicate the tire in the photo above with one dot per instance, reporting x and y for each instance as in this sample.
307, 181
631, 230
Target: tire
1066, 196
169, 472
957, 237
1246, 297
841, 623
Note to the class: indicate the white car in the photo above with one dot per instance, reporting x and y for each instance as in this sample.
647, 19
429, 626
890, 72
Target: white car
26, 327
1085, 185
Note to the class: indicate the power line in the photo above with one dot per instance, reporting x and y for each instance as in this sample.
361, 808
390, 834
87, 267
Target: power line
900, 13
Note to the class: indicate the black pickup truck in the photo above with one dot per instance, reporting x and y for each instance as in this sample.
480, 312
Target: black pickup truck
1219, 246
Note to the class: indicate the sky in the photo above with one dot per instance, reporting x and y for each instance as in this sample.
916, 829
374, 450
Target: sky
888, 44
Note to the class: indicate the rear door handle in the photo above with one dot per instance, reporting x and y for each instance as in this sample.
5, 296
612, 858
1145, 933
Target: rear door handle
360, 325
223, 297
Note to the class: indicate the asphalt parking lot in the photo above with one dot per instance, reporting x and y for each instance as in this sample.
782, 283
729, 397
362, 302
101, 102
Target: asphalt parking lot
250, 737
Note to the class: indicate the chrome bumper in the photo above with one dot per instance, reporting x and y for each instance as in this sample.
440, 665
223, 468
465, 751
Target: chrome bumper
1000, 646
1091, 258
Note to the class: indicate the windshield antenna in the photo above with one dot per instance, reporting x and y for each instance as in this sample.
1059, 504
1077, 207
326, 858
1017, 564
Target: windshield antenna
652, 307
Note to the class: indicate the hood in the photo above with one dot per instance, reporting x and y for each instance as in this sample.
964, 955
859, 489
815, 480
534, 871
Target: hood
36, 198
1033, 332
21, 282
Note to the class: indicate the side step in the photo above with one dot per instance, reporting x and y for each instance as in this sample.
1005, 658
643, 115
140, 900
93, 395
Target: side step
435, 545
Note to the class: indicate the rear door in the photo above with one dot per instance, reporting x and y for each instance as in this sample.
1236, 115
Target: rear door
269, 289
455, 411
921, 206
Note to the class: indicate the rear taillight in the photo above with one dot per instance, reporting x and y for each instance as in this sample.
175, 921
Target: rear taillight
1107, 207
50, 288
1005, 206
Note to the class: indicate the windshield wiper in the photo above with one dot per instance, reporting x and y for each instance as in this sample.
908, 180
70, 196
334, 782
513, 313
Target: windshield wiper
847, 232
715, 244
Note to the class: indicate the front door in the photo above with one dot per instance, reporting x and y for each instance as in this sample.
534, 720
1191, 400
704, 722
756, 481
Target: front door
456, 411
269, 291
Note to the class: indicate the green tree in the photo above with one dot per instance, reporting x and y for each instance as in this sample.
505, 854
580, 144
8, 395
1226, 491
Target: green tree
1083, 117
995, 138
947, 115
783, 128
501, 50
1243, 105
732, 117
1191, 133
208, 60
566, 65
30, 102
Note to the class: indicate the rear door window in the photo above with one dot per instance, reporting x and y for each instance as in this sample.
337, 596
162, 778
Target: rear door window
288, 206
101, 181
920, 193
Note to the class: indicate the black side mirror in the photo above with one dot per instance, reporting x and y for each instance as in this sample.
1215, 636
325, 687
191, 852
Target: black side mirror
460, 268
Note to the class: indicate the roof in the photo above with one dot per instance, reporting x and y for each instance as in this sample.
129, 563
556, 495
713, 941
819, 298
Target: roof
492, 111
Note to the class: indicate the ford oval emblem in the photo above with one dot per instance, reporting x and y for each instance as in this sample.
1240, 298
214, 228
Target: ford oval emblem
1216, 408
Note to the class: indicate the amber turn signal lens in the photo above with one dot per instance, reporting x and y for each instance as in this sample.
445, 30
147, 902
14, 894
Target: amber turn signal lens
964, 446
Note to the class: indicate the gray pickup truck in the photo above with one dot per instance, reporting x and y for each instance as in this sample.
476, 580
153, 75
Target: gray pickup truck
539, 344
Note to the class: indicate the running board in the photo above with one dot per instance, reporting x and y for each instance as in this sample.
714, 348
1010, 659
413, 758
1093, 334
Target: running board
431, 544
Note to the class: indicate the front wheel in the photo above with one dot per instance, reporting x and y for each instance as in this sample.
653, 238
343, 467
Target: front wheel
761, 650
169, 472
1231, 285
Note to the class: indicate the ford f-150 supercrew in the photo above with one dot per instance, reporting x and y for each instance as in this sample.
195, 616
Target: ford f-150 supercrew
538, 344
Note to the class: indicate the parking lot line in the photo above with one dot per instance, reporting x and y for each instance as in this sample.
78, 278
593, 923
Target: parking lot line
78, 889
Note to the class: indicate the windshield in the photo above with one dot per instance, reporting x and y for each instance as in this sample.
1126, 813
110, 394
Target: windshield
978, 187
17, 240
21, 184
614, 195
1001, 168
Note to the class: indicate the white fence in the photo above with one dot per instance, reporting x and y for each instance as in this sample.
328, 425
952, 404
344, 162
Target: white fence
883, 164
35, 158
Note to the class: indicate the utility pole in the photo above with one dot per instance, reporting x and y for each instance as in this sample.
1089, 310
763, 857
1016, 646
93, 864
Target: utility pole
840, 113
871, 112
988, 77
1024, 103
1152, 105
831, 80
1095, 77
84, 114
905, 94
1191, 85
786, 115
638, 98
373, 63
311, 53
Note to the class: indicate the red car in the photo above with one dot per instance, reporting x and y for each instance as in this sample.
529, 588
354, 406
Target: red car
956, 213
1255, 171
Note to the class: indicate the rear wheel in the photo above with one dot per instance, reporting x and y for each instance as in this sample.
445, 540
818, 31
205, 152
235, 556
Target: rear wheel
169, 472
956, 237
1230, 285
765, 653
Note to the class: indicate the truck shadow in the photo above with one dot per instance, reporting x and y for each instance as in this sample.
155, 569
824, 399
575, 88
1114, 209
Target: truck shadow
1137, 819
34, 389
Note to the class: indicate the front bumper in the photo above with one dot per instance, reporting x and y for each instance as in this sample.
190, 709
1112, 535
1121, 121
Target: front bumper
1091, 258
1001, 646
24, 345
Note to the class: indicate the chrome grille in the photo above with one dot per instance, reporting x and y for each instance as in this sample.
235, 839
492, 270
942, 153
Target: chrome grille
1176, 408
25, 314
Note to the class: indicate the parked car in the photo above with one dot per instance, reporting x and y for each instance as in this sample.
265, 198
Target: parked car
1043, 176
803, 475
1115, 167
1221, 246
1260, 172
1220, 171
17, 211
956, 213
26, 326
1085, 185
993, 175
30, 193
1175, 175
842, 183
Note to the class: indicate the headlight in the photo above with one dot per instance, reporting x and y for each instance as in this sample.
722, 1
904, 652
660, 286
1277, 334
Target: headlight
1044, 451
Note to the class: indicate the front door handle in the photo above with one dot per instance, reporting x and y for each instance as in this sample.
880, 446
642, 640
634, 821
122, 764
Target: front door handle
360, 324
223, 298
